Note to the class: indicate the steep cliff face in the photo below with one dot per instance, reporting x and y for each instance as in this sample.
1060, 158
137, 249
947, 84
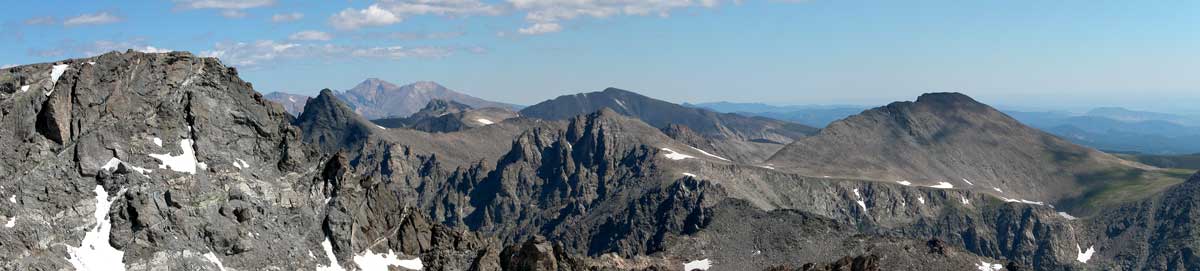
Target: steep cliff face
157, 159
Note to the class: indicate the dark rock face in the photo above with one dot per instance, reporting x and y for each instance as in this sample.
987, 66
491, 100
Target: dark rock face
331, 124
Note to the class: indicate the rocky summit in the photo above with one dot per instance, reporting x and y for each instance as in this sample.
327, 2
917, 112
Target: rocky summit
169, 161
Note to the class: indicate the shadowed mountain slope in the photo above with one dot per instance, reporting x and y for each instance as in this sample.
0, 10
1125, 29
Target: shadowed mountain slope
661, 114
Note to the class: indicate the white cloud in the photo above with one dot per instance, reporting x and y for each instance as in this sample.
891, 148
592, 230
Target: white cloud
546, 16
372, 16
154, 50
267, 52
540, 28
394, 11
222, 4
287, 17
399, 52
8, 66
92, 19
229, 8
311, 35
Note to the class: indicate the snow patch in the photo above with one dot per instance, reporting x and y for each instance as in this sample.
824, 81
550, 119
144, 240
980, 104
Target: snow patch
1039, 203
766, 167
985, 266
1084, 256
943, 185
619, 103
57, 72
860, 202
157, 141
241, 164
1067, 216
997, 189
964, 200
24, 88
689, 175
905, 183
370, 261
91, 63
12, 221
111, 164
484, 121
333, 262
114, 162
12, 198
675, 155
967, 181
381, 127
212, 258
697, 265
709, 154
185, 162
94, 252
291, 99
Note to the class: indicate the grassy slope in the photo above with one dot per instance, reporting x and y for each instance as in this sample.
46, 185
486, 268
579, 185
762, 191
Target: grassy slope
1111, 188
1189, 161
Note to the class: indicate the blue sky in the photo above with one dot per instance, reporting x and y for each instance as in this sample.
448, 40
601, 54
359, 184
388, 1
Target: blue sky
1041, 54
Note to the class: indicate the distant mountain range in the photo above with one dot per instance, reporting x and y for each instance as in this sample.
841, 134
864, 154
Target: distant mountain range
376, 99
1107, 128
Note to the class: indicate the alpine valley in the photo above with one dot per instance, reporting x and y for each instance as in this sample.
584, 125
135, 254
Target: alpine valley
170, 161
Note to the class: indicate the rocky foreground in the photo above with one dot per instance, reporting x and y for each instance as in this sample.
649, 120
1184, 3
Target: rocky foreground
134, 161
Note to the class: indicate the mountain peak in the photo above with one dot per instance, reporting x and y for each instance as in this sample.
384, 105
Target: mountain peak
946, 98
377, 99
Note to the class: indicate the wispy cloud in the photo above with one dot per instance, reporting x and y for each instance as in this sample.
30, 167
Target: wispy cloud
287, 17
92, 19
228, 8
541, 16
310, 35
407, 36
388, 12
263, 53
547, 16
222, 4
